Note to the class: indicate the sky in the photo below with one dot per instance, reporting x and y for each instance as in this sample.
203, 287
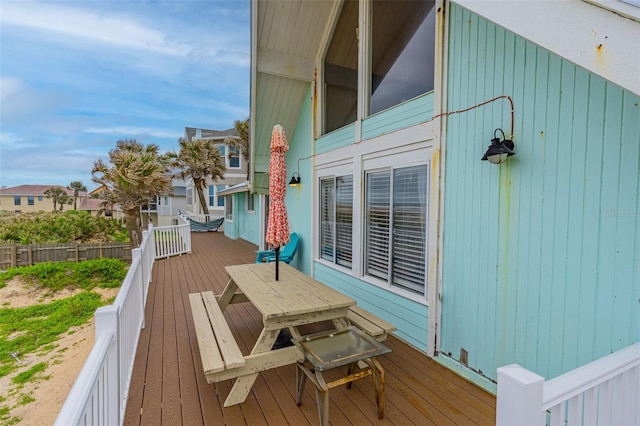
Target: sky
77, 76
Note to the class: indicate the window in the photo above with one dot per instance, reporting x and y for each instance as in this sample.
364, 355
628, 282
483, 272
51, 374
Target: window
251, 202
220, 199
30, 200
229, 208
400, 38
39, 197
17, 200
189, 196
402, 46
212, 196
234, 158
395, 227
341, 71
336, 220
166, 200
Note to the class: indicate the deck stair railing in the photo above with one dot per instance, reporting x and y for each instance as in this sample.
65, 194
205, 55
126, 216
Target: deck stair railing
603, 392
99, 394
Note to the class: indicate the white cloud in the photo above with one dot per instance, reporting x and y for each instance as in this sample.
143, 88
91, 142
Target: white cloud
133, 131
118, 30
83, 24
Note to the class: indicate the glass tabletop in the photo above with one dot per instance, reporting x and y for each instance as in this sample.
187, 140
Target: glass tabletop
335, 348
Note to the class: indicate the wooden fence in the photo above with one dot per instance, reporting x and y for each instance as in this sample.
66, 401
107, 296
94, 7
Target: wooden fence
13, 255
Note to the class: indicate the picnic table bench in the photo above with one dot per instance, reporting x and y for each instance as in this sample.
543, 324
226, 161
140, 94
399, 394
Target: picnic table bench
295, 299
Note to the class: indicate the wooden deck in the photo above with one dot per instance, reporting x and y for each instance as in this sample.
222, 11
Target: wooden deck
168, 385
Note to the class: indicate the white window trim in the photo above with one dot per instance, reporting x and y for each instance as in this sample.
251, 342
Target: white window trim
401, 148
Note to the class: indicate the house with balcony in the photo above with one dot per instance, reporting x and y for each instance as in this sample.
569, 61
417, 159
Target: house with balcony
498, 274
390, 108
241, 212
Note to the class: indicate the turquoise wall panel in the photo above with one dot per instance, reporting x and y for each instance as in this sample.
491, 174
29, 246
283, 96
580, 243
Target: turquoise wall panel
408, 316
336, 139
401, 116
541, 255
248, 222
298, 199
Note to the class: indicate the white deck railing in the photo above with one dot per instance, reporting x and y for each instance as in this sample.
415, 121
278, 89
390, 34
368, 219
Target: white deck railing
172, 240
201, 217
99, 394
604, 392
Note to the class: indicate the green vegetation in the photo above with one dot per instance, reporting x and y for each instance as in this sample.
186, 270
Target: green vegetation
36, 329
47, 228
26, 330
29, 375
105, 273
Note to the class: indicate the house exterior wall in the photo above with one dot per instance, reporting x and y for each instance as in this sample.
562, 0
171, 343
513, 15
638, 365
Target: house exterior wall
248, 221
540, 254
7, 203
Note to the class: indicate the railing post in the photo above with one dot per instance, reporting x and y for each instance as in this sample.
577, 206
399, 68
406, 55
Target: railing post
136, 254
519, 399
107, 321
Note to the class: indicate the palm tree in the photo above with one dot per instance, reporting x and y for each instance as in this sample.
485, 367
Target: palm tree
135, 175
198, 160
58, 195
241, 141
76, 187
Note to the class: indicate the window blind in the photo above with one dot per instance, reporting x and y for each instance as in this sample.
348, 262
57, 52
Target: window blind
378, 190
409, 228
344, 220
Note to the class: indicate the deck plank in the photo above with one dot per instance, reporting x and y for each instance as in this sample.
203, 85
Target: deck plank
168, 385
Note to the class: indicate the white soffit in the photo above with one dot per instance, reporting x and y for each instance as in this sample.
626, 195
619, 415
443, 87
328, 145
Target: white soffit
597, 39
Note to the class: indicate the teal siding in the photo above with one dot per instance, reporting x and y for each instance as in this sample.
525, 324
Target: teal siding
409, 317
407, 114
248, 223
336, 139
541, 254
298, 199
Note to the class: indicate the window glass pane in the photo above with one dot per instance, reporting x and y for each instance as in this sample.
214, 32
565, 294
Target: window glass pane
222, 149
341, 70
221, 199
378, 190
189, 196
409, 228
403, 42
212, 198
16, 200
234, 158
344, 220
30, 200
327, 218
229, 208
251, 202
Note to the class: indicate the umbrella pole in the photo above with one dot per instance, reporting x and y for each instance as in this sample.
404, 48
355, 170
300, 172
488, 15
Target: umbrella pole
277, 250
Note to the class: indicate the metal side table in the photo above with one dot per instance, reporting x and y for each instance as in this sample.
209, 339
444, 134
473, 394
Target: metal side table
331, 349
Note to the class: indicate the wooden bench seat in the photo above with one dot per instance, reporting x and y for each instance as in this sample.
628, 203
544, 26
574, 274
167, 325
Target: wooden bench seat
218, 348
374, 326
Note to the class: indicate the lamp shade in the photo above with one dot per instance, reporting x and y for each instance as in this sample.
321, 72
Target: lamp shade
295, 180
500, 149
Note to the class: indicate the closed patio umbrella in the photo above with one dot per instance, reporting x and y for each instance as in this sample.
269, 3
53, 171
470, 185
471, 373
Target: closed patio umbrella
278, 224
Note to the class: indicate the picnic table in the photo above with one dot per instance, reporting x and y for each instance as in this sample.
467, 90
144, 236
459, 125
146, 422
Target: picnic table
294, 300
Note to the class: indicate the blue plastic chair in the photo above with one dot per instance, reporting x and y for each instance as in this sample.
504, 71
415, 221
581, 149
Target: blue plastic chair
286, 253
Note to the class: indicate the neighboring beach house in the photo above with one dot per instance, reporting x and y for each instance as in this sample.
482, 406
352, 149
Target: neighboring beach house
389, 107
31, 198
240, 210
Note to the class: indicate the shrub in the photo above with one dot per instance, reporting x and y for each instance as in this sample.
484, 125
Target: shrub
55, 227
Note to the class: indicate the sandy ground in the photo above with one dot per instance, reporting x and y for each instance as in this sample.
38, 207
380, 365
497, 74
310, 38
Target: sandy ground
64, 362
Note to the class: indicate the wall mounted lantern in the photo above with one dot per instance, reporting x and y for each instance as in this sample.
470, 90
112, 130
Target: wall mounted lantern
499, 150
295, 179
